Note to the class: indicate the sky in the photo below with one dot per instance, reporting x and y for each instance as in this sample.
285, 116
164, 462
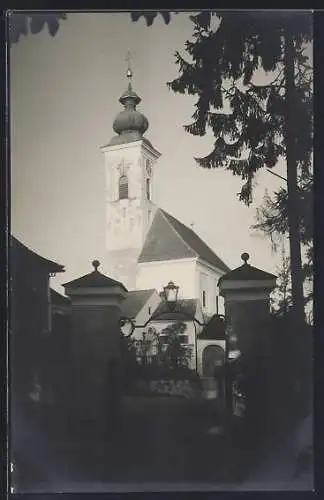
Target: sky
64, 98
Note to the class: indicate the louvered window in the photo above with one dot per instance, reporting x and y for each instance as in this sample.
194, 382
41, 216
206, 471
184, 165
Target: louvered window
123, 187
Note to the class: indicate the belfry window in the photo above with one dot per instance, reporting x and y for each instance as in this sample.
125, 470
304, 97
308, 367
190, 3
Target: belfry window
123, 187
148, 189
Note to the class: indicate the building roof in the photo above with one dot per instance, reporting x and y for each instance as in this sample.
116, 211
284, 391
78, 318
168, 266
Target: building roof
246, 272
185, 310
58, 299
214, 329
23, 250
134, 302
169, 239
94, 280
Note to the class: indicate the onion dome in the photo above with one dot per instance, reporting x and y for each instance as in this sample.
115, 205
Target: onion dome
130, 122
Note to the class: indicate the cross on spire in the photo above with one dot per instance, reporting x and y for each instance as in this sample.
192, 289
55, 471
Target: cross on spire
128, 58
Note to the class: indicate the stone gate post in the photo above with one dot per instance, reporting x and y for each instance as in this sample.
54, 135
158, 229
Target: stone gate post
95, 314
246, 291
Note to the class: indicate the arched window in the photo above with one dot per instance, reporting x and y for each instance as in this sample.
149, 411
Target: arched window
148, 189
123, 187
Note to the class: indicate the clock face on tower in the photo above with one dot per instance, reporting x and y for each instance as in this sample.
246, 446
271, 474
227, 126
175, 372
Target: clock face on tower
148, 165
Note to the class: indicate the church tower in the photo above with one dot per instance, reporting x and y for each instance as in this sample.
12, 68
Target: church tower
129, 168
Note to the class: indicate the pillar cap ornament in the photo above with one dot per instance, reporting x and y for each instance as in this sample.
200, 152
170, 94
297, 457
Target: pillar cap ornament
247, 278
245, 257
96, 264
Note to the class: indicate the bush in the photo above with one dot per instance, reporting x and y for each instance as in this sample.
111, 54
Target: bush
141, 362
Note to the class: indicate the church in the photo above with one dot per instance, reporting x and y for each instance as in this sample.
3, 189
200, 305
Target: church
146, 247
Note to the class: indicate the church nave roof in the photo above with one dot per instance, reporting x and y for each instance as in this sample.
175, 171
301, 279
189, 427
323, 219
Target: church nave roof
170, 239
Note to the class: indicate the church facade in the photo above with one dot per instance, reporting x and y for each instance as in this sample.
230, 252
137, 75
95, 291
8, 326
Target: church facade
145, 246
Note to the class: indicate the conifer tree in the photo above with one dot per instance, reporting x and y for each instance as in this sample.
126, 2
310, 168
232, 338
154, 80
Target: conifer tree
264, 122
272, 219
282, 294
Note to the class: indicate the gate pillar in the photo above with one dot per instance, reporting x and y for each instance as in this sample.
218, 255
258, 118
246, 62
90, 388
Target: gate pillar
95, 315
246, 291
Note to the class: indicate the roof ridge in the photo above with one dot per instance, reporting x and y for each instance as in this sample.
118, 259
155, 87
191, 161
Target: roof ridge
179, 242
197, 235
240, 271
193, 300
14, 239
166, 215
93, 274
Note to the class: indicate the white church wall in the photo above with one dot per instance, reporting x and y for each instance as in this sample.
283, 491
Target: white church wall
124, 218
199, 315
158, 274
206, 279
127, 220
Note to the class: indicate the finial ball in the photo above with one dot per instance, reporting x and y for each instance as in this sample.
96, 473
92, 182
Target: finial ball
96, 264
245, 257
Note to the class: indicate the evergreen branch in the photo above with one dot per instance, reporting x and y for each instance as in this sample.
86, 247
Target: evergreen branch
271, 84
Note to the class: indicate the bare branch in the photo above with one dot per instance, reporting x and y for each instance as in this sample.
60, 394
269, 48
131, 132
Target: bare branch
277, 175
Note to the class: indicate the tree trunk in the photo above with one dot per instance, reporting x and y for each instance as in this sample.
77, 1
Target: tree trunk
293, 198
